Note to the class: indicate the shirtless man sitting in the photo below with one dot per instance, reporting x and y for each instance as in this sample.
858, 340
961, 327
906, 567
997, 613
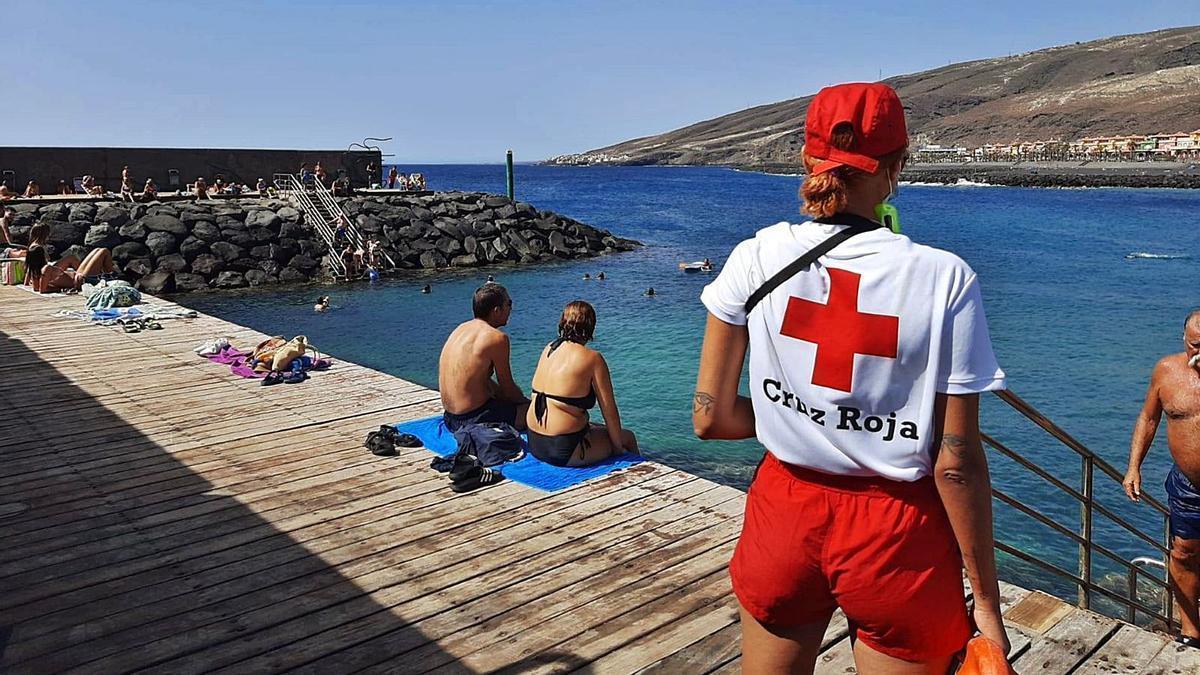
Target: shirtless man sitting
1175, 389
475, 351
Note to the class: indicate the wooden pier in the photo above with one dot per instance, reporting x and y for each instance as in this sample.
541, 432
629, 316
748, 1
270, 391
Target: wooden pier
158, 514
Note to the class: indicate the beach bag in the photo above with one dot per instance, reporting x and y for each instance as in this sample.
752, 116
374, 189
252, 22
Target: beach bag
294, 349
12, 272
263, 355
985, 657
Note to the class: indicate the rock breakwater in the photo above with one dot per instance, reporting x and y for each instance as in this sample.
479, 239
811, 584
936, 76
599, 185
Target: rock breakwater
191, 246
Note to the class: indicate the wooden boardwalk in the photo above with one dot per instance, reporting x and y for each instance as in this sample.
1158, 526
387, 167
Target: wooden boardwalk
158, 514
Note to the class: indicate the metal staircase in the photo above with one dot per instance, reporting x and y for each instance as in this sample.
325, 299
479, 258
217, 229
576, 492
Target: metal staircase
322, 213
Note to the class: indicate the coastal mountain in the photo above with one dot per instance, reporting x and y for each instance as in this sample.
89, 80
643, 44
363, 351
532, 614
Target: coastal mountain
1132, 84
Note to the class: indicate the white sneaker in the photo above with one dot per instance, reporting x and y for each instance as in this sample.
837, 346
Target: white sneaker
212, 347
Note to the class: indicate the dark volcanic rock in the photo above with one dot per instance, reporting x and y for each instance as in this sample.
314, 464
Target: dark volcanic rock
161, 243
138, 268
190, 282
207, 264
165, 223
230, 279
104, 235
227, 251
304, 263
262, 235
130, 250
263, 218
65, 234
290, 276
257, 277
157, 282
192, 247
207, 231
171, 263
112, 215
132, 231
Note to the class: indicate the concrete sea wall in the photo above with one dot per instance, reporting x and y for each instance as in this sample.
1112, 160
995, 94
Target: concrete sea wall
190, 246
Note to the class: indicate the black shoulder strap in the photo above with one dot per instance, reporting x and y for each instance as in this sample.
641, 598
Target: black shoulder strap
857, 225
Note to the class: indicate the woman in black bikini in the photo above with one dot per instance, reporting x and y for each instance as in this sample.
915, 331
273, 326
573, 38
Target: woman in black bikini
569, 380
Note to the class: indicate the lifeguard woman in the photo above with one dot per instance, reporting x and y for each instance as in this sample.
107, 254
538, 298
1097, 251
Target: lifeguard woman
867, 355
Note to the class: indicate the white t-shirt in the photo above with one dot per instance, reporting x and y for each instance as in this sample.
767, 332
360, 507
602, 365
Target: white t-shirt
847, 356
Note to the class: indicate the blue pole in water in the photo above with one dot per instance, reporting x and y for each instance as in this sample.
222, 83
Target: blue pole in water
509, 173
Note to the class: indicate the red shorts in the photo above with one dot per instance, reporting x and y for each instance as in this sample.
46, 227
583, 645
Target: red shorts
881, 550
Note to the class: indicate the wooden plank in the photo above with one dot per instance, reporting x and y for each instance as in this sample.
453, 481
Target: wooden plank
1038, 612
708, 651
1173, 659
1066, 644
1129, 651
382, 564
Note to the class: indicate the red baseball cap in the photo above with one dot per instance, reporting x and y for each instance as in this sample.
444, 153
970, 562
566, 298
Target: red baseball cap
875, 112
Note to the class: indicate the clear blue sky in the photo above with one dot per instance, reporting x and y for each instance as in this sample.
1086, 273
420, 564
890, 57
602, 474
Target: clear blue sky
462, 81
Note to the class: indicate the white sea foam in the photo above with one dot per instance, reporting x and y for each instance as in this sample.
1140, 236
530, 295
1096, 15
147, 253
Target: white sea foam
1142, 255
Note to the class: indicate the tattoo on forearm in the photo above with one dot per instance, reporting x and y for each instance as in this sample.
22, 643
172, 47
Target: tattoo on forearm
955, 444
703, 402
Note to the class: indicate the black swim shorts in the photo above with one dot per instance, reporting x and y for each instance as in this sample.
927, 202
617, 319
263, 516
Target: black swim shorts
492, 411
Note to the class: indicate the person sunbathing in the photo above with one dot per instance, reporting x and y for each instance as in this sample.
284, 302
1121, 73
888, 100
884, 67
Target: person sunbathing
149, 191
5, 193
559, 430
90, 187
32, 189
46, 278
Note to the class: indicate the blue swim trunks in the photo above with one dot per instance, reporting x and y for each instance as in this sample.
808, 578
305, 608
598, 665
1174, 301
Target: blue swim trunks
1183, 499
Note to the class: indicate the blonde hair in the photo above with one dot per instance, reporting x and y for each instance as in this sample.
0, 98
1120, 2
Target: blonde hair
578, 322
825, 194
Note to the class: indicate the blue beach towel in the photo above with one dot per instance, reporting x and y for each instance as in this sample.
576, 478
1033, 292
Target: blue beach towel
528, 470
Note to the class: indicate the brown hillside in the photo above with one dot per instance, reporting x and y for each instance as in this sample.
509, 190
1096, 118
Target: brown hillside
1143, 83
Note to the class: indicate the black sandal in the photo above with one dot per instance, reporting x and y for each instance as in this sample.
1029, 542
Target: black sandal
1188, 641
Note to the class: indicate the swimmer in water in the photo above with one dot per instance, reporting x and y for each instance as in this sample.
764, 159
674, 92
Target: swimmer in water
426, 289
587, 277
491, 279
650, 292
601, 276
322, 304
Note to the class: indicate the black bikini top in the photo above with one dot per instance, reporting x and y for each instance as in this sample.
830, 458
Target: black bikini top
539, 397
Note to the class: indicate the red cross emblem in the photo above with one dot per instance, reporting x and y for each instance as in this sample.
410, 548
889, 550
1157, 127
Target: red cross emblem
840, 331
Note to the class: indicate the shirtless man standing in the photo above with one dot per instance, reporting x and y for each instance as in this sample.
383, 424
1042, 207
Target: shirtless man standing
475, 351
1175, 389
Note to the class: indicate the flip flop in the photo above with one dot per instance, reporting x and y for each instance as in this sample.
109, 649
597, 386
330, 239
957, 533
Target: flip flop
1188, 641
272, 378
409, 441
129, 326
152, 324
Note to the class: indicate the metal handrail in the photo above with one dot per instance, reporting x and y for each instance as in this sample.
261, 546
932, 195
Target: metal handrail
335, 209
290, 184
1135, 568
1089, 507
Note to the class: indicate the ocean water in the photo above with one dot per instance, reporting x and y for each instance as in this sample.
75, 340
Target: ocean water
1084, 289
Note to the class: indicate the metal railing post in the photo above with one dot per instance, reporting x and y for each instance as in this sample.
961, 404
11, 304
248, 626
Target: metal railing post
1085, 548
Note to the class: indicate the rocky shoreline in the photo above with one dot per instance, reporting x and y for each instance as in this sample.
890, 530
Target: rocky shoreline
1038, 174
192, 246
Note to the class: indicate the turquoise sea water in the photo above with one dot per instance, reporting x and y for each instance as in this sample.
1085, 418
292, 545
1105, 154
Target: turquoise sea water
1076, 324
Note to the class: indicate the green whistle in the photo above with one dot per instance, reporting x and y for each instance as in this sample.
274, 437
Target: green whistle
889, 216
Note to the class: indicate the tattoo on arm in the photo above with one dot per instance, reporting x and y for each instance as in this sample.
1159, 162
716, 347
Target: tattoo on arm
703, 402
955, 444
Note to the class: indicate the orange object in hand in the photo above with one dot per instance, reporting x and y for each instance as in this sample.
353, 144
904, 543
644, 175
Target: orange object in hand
985, 657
